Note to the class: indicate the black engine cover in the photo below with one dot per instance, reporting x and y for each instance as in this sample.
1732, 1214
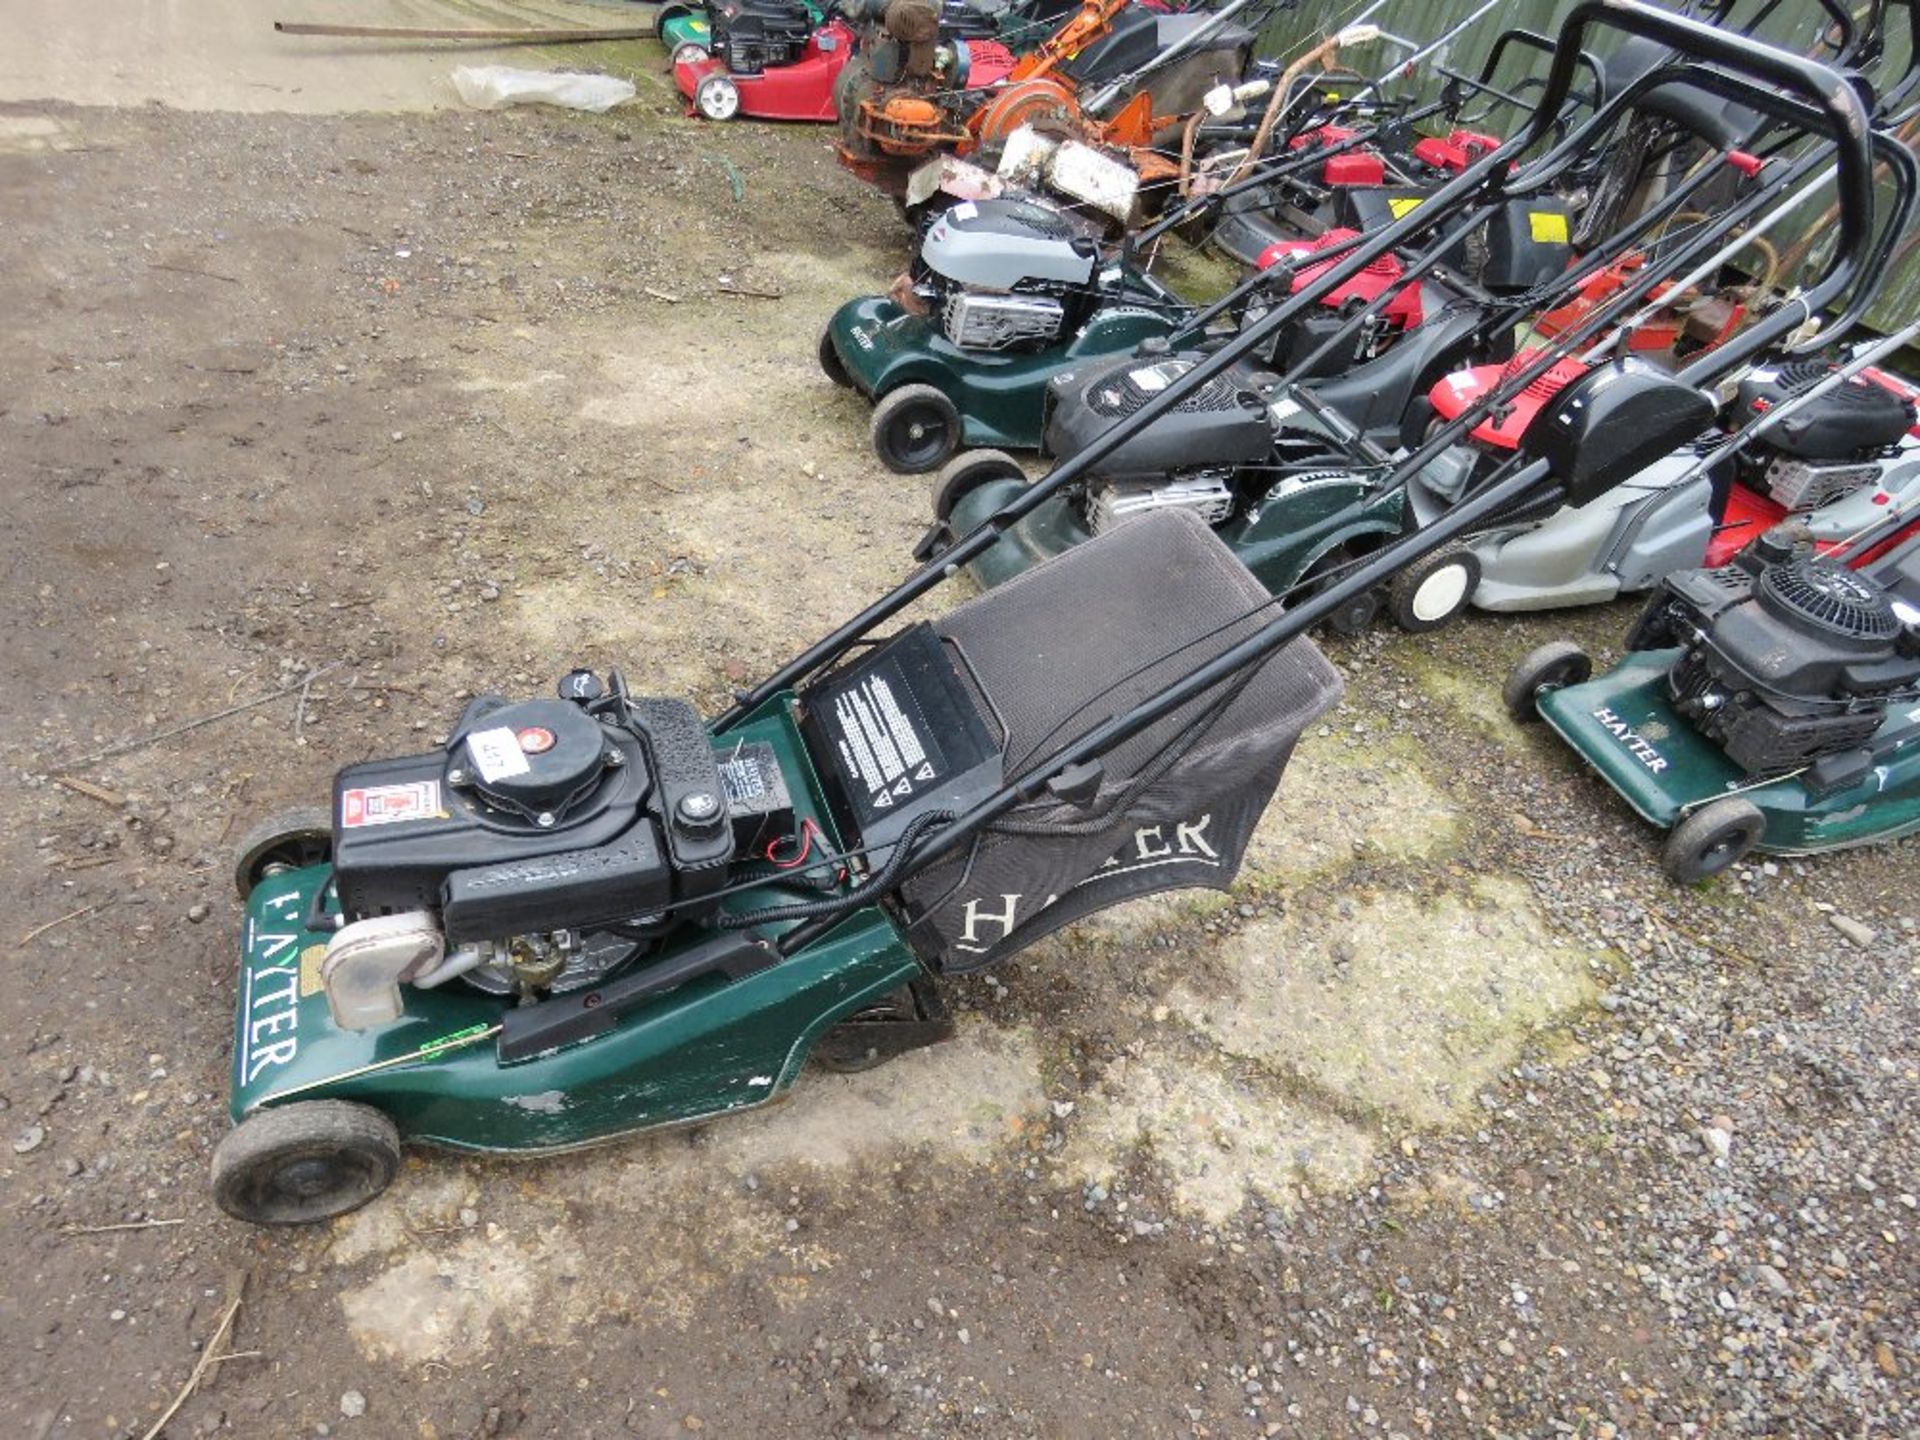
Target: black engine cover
1786, 660
1854, 419
1221, 425
1611, 424
536, 816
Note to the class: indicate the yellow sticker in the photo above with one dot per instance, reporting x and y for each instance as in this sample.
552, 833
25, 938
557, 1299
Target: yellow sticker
1549, 227
310, 959
1403, 204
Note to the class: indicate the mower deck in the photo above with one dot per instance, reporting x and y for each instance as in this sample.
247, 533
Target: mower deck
1621, 725
703, 1049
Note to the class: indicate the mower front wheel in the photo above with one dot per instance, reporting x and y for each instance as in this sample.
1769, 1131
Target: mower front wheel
968, 472
717, 98
831, 365
915, 429
690, 53
1434, 589
1553, 666
1711, 840
308, 1161
286, 840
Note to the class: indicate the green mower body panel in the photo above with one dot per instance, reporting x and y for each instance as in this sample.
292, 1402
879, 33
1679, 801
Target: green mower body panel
999, 393
687, 27
1623, 726
1280, 539
709, 1047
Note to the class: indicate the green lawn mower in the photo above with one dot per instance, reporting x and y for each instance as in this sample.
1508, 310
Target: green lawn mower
594, 914
1769, 705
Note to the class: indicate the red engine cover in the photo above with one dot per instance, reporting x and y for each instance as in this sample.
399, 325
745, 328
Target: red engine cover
1453, 154
800, 91
1502, 431
1404, 311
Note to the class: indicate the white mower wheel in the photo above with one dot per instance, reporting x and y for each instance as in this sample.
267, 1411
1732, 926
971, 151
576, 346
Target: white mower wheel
1554, 665
1431, 591
690, 53
717, 98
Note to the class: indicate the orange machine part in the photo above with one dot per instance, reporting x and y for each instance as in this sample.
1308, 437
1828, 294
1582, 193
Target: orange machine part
1021, 102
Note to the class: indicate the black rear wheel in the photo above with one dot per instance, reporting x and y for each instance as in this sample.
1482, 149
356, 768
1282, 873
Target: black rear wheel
1712, 839
308, 1161
968, 472
831, 365
286, 840
915, 429
1556, 664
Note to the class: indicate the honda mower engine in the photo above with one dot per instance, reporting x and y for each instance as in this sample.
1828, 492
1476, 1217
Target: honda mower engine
754, 35
539, 849
1829, 448
1790, 661
1005, 275
1188, 461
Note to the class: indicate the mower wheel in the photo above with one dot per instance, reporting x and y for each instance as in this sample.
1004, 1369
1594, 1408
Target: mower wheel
1711, 839
1434, 589
667, 13
831, 364
691, 53
286, 840
311, 1160
966, 473
717, 98
915, 429
1554, 665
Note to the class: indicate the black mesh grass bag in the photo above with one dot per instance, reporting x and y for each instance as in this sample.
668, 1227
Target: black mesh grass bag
1046, 658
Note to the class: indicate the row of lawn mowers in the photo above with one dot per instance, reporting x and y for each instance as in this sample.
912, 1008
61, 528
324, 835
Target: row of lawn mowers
602, 912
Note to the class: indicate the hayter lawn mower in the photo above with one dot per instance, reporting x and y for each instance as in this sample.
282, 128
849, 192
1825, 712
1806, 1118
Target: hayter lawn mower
1771, 705
596, 914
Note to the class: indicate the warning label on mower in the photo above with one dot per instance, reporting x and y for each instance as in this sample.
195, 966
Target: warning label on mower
880, 744
389, 804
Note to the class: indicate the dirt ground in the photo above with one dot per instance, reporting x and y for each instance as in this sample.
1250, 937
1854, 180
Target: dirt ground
1453, 1119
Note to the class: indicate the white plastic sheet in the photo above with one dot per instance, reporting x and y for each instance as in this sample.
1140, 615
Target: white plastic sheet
493, 87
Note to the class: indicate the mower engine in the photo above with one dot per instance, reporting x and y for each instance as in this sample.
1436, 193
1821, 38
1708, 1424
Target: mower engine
1829, 448
1188, 461
1790, 661
1005, 275
538, 850
755, 35
1301, 338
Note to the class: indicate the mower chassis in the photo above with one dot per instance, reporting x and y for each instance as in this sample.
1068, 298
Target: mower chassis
705, 1049
999, 393
1621, 724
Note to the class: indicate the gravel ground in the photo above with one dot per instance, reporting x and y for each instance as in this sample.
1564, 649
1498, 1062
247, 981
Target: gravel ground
1453, 1119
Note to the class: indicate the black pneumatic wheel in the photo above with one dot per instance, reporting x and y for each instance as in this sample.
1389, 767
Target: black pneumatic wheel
1711, 839
286, 840
667, 13
968, 472
1434, 589
308, 1161
1554, 665
831, 365
915, 429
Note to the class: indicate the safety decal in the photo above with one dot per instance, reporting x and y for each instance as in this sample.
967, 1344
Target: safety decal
389, 804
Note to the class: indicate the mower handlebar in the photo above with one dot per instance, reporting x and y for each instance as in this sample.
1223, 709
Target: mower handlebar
1818, 83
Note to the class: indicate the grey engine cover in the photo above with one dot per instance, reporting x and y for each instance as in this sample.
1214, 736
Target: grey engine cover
999, 244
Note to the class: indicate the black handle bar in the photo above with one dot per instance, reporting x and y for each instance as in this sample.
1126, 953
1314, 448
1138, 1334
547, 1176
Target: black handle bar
1836, 101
